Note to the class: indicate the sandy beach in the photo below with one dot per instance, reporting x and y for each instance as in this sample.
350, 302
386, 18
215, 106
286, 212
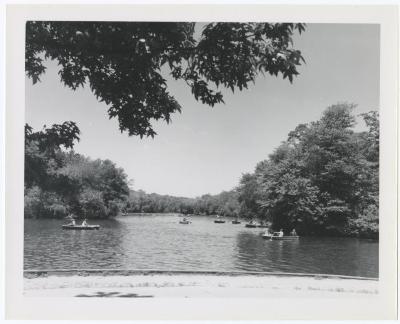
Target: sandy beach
188, 285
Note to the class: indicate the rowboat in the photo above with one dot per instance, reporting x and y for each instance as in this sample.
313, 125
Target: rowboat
80, 227
284, 238
219, 221
249, 225
184, 222
274, 237
235, 222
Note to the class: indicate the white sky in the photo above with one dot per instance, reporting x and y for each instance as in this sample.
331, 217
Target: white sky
204, 149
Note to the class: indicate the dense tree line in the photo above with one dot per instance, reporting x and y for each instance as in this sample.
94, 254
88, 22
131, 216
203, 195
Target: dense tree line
141, 202
59, 181
323, 180
225, 203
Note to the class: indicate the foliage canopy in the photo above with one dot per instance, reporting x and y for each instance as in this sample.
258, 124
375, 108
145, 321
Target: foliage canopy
122, 61
59, 182
323, 180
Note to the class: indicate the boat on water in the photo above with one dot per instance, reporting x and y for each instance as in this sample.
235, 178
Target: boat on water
236, 222
184, 221
219, 220
251, 224
284, 238
80, 227
277, 237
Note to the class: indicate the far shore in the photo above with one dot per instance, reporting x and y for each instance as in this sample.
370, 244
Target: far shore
187, 284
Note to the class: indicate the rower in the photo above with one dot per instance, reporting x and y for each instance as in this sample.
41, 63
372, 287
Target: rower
281, 233
72, 222
84, 223
293, 232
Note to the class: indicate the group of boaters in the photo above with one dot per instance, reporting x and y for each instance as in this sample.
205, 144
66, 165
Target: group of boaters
280, 233
73, 223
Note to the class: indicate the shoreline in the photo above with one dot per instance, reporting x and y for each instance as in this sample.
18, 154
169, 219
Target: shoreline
186, 284
32, 273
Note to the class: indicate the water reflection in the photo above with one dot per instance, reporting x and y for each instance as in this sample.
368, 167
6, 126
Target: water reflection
257, 254
47, 246
342, 256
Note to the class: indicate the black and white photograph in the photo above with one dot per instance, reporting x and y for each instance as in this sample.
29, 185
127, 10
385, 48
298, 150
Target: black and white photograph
202, 160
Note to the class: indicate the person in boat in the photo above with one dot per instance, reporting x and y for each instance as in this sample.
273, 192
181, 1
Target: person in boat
293, 232
267, 232
184, 219
71, 218
84, 223
280, 233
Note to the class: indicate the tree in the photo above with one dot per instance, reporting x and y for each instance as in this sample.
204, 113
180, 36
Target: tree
92, 204
371, 138
122, 61
323, 180
248, 196
42, 150
59, 181
97, 188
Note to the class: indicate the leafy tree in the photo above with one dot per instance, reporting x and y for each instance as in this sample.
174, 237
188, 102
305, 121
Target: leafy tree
323, 179
97, 187
59, 181
248, 196
92, 204
40, 203
123, 61
50, 139
42, 150
367, 224
371, 137
33, 204
289, 199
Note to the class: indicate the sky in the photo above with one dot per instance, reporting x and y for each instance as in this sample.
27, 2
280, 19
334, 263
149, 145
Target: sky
205, 149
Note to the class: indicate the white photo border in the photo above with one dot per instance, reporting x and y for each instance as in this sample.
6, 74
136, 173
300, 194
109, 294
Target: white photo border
384, 306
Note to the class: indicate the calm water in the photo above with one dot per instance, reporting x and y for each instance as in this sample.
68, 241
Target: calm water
160, 242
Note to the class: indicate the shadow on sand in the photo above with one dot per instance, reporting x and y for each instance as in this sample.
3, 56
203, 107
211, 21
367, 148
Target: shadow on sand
112, 294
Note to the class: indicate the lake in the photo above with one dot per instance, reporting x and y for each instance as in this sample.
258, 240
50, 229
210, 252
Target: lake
158, 241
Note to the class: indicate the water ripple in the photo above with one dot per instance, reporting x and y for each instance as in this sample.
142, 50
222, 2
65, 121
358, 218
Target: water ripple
160, 242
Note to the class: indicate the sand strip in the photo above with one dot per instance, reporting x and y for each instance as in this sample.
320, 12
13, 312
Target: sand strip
187, 285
